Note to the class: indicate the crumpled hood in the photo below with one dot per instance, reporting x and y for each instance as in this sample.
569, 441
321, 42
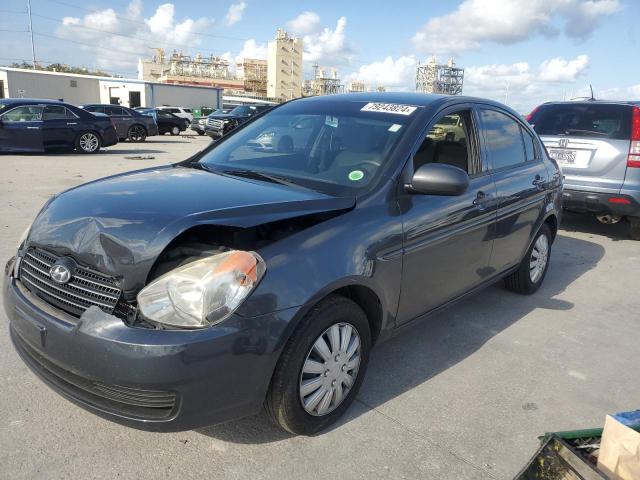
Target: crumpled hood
119, 225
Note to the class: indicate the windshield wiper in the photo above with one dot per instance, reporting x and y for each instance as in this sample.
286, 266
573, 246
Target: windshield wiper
256, 175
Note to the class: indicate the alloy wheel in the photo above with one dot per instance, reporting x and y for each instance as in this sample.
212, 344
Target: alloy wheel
89, 142
137, 134
539, 258
330, 369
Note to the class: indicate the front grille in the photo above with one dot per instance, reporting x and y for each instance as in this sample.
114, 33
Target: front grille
215, 123
132, 402
85, 288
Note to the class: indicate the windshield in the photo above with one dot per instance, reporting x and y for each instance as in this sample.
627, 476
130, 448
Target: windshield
331, 147
586, 120
241, 110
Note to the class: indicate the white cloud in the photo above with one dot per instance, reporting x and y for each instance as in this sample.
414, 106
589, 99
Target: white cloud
560, 70
396, 74
475, 22
305, 23
252, 49
484, 76
235, 13
619, 93
329, 46
132, 40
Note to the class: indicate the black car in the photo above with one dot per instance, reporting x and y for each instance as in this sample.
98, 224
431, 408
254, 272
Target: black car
241, 278
220, 124
34, 125
130, 124
167, 122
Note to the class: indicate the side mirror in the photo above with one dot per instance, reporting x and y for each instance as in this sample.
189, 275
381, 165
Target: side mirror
439, 179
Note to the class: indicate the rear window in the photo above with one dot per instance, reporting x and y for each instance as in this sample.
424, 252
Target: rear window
584, 120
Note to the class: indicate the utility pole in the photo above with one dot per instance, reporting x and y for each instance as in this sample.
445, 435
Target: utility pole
33, 51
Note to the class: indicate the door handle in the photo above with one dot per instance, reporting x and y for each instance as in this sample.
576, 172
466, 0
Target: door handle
538, 182
72, 123
481, 200
33, 128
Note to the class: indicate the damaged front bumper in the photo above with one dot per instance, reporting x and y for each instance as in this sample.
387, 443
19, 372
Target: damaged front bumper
161, 380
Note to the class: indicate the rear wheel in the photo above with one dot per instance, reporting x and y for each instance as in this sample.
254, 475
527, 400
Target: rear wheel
137, 133
88, 142
321, 368
533, 268
634, 228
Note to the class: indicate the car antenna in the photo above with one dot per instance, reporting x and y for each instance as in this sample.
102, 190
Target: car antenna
592, 97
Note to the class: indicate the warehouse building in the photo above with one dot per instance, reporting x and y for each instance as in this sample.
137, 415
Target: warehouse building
79, 89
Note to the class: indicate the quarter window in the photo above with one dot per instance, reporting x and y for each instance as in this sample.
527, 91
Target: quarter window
26, 113
504, 139
113, 111
529, 149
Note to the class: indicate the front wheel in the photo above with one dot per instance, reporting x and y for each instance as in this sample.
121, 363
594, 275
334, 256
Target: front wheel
533, 268
88, 142
175, 130
321, 368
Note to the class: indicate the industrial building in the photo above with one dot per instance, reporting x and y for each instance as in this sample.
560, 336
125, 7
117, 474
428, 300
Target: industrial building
284, 71
179, 69
78, 89
438, 78
253, 73
322, 83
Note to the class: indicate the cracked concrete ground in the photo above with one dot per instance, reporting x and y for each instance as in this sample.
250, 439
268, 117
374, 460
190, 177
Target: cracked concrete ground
462, 395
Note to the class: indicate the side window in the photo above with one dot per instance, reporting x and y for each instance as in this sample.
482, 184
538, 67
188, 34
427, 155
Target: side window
188, 110
529, 149
504, 139
99, 109
113, 110
27, 113
447, 142
54, 112
163, 114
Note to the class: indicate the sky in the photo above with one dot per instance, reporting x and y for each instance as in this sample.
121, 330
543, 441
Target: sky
520, 52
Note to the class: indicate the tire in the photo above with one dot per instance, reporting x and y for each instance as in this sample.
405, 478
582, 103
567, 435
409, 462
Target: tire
200, 133
137, 134
88, 142
634, 228
284, 401
525, 280
175, 130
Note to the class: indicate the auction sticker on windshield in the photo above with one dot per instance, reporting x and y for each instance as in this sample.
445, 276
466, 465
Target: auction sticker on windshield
396, 108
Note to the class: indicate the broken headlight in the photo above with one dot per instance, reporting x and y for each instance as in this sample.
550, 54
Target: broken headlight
203, 292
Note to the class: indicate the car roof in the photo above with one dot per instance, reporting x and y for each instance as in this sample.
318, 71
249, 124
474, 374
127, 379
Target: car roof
594, 102
29, 101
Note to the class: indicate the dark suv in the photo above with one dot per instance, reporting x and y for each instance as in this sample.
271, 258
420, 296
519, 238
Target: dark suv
597, 144
130, 124
242, 277
219, 124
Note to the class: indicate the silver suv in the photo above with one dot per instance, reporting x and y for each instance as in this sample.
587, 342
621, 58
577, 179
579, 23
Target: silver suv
597, 145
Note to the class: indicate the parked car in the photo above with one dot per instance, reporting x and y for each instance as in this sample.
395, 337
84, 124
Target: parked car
35, 125
597, 144
130, 124
181, 112
198, 124
222, 123
167, 122
239, 278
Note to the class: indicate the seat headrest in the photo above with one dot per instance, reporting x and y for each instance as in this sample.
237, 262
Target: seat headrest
451, 153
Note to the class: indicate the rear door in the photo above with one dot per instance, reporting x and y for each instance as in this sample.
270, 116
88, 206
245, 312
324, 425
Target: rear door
520, 176
59, 126
21, 129
121, 119
590, 141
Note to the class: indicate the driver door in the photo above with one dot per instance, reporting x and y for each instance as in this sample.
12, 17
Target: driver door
21, 129
447, 240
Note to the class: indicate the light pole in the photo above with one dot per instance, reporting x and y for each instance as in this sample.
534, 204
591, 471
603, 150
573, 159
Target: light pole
33, 51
